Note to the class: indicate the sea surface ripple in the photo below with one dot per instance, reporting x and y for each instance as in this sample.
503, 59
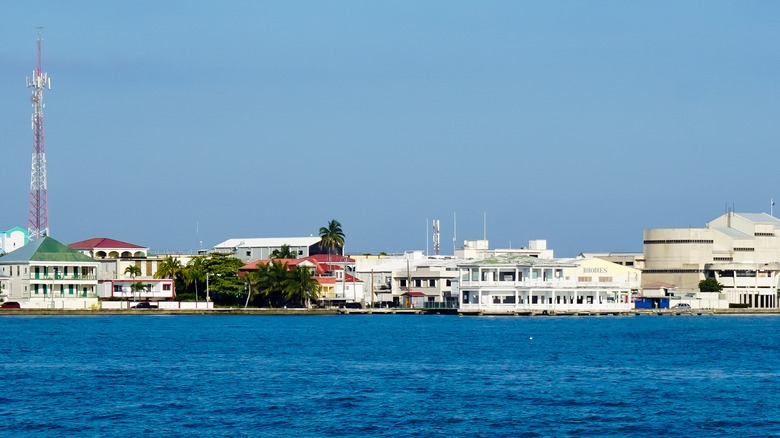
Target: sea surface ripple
390, 375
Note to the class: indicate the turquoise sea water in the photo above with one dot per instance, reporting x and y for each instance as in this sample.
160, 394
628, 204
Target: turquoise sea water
390, 376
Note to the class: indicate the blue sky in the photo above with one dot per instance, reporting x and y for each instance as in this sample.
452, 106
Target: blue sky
582, 123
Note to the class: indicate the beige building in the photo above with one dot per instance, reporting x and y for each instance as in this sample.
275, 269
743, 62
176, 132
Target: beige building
740, 250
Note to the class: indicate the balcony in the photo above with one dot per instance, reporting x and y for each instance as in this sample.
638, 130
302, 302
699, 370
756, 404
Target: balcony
62, 277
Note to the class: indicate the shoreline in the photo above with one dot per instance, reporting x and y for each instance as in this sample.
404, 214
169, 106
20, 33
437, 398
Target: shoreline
455, 312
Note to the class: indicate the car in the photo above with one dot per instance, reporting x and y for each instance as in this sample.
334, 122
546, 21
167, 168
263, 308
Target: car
10, 305
683, 306
145, 306
352, 306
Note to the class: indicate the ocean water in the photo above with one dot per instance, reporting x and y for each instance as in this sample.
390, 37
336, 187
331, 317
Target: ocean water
395, 376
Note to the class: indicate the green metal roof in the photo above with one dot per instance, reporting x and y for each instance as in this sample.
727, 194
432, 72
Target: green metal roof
45, 250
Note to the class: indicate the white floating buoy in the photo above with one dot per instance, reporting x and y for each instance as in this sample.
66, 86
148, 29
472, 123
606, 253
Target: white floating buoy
531, 337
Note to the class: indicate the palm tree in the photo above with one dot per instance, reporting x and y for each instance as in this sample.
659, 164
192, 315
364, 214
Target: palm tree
301, 287
195, 272
271, 280
133, 271
137, 287
332, 236
285, 252
169, 268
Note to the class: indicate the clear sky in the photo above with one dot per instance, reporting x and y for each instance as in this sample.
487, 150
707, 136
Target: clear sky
579, 122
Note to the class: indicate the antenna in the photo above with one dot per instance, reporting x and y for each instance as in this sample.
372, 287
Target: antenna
484, 226
436, 236
38, 220
454, 233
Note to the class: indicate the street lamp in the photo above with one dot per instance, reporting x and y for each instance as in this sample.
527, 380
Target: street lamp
209, 274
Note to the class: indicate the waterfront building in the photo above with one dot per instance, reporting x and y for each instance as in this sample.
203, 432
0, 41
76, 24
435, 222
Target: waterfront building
48, 274
261, 248
334, 273
13, 239
389, 279
740, 250
512, 283
114, 280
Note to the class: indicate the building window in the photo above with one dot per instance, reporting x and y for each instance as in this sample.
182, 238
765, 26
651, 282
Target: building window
248, 253
605, 279
117, 288
431, 282
417, 283
166, 287
402, 282
584, 279
449, 283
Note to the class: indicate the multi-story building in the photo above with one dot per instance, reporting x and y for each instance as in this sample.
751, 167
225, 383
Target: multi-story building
740, 250
114, 279
512, 283
334, 273
48, 274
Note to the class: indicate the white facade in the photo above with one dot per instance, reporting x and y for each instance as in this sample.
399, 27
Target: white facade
12, 239
525, 284
740, 250
387, 278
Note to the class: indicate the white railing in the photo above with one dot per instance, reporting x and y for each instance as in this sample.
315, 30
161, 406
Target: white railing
555, 283
549, 307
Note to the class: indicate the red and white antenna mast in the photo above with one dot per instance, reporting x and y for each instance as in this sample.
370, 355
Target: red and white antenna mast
38, 223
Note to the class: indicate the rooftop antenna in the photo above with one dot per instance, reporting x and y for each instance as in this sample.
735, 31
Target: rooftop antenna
484, 226
454, 233
38, 219
436, 236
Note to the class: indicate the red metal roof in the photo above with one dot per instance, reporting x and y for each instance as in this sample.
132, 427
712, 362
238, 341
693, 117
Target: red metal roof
333, 258
103, 242
414, 294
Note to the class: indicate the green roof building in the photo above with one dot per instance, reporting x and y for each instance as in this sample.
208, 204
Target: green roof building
48, 274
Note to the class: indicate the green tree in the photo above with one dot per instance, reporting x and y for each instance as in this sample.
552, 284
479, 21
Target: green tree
195, 272
133, 271
332, 236
271, 281
710, 285
225, 287
301, 287
285, 252
137, 287
169, 268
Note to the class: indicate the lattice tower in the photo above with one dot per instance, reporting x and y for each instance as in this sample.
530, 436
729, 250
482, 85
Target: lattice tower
38, 223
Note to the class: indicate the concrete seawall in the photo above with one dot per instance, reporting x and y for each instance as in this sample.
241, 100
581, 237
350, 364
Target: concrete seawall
242, 311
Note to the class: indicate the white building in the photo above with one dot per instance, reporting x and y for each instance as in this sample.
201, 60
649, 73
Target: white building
512, 283
740, 250
114, 280
389, 280
48, 274
13, 239
251, 249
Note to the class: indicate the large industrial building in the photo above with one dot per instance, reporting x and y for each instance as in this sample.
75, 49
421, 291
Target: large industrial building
740, 250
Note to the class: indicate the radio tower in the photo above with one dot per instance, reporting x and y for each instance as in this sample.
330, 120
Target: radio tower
38, 223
